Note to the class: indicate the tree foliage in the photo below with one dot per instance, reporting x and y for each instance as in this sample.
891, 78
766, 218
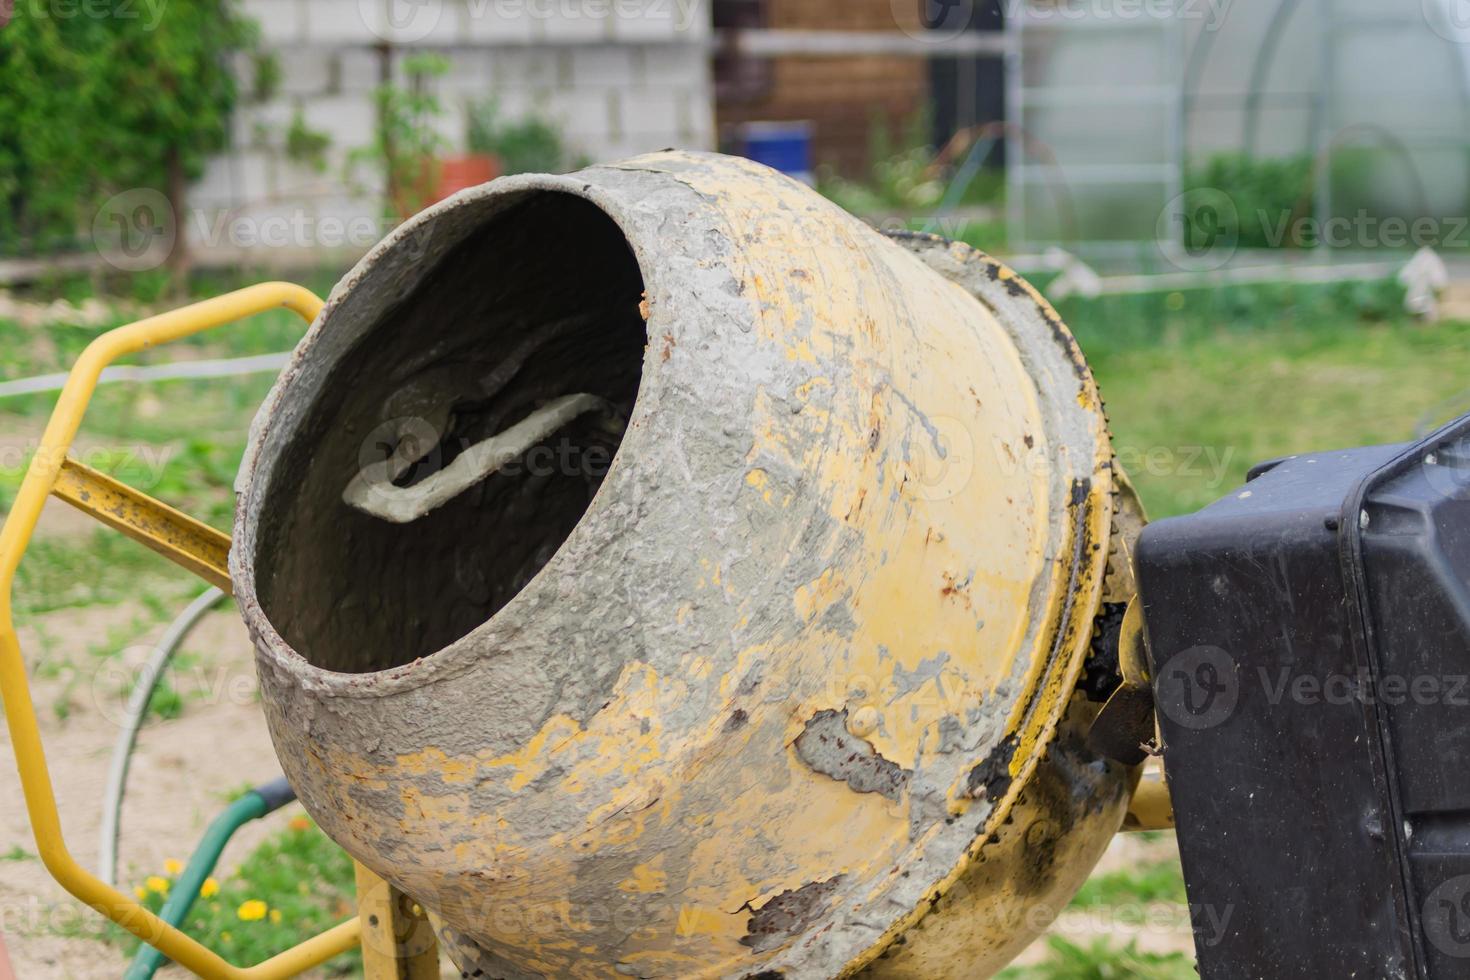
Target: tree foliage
97, 97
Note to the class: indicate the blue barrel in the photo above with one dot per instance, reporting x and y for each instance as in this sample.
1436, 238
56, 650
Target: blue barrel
783, 146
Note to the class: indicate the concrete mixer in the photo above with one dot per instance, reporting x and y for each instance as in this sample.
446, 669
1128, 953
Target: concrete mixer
656, 572
756, 696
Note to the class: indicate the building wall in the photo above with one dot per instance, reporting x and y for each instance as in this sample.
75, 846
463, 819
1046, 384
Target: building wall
620, 76
841, 96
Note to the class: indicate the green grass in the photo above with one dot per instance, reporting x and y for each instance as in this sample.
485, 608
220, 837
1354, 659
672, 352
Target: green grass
1195, 400
294, 885
100, 567
1156, 882
178, 440
1102, 960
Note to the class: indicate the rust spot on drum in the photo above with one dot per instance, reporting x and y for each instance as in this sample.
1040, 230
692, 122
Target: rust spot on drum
829, 748
788, 914
992, 778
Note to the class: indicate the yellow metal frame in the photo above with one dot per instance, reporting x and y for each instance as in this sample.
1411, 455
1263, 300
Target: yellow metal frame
186, 541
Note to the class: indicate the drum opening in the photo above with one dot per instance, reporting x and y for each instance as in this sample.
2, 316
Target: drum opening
539, 304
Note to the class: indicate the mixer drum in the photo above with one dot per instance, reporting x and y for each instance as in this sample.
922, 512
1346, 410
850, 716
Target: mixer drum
762, 656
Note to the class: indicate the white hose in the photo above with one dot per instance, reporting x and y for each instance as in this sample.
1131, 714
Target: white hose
122, 751
212, 368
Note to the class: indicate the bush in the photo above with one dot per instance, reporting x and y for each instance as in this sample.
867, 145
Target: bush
1266, 195
407, 144
529, 145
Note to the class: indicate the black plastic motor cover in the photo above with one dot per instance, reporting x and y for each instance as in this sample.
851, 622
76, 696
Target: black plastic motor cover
1310, 645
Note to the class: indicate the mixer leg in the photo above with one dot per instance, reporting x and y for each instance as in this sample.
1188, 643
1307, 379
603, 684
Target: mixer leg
397, 941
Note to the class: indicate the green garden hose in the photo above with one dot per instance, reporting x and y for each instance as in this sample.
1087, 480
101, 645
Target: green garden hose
255, 804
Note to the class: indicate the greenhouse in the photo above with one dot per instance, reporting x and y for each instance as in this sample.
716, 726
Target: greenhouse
1191, 122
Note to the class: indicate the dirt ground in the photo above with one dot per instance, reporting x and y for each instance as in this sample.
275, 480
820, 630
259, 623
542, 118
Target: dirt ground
182, 773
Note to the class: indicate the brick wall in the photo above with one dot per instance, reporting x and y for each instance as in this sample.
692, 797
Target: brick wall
619, 76
840, 96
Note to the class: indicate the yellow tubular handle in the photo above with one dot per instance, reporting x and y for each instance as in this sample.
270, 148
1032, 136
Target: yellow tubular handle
20, 712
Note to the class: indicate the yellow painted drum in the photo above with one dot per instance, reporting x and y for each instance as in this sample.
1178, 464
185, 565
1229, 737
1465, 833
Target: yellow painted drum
761, 665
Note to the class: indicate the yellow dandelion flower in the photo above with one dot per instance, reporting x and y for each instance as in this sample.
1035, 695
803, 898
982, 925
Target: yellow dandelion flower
275, 915
209, 889
299, 823
251, 911
172, 866
155, 883
140, 891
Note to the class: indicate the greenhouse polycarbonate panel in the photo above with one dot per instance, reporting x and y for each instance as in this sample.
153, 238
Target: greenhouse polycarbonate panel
1109, 212
1095, 93
1364, 103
